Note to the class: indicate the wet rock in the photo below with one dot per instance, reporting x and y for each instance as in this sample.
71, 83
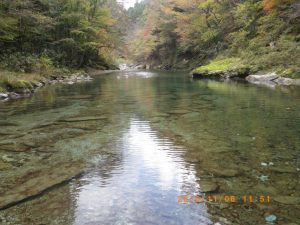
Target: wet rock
37, 84
14, 95
22, 91
3, 95
288, 200
82, 119
208, 186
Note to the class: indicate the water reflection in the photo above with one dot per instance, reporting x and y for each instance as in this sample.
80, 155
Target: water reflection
143, 186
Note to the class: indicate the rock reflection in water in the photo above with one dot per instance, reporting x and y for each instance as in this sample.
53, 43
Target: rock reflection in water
143, 187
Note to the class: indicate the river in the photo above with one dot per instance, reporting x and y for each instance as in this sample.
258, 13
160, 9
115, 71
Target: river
143, 147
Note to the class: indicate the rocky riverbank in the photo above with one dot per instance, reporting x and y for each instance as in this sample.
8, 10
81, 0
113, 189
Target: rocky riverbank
28, 90
269, 79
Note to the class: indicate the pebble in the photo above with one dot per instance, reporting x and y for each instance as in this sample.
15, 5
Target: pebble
6, 158
264, 178
267, 164
271, 218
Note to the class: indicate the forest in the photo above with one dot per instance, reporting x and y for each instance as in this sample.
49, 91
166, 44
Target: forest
40, 38
180, 34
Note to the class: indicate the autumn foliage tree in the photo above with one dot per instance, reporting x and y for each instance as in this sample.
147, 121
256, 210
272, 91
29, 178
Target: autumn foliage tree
186, 33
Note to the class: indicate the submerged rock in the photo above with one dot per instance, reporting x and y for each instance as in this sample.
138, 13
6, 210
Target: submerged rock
283, 169
35, 183
221, 172
208, 186
8, 124
4, 165
82, 119
179, 111
288, 200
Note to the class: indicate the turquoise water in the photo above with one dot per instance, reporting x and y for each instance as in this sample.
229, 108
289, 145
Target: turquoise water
126, 147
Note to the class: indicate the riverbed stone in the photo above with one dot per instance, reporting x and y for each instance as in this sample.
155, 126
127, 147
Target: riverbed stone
35, 183
8, 124
208, 186
265, 189
7, 158
283, 169
4, 165
288, 200
223, 172
7, 142
179, 111
83, 119
271, 218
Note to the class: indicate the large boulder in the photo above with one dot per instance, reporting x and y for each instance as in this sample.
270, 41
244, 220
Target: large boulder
271, 79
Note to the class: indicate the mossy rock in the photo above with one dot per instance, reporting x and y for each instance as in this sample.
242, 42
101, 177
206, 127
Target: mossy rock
220, 65
224, 68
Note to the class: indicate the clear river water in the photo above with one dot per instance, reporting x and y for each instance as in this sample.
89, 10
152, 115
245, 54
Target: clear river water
147, 147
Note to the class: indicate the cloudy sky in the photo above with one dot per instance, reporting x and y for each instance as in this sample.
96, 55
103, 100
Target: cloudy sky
129, 3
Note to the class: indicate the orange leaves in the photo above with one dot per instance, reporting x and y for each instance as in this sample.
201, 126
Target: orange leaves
146, 31
268, 5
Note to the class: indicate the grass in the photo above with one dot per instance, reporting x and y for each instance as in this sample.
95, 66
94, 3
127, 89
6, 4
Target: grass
12, 80
220, 65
